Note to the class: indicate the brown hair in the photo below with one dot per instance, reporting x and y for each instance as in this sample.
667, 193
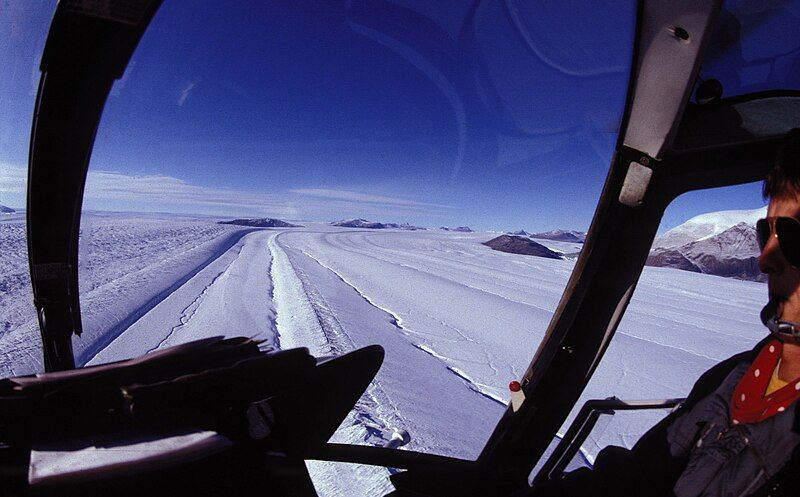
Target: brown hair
784, 177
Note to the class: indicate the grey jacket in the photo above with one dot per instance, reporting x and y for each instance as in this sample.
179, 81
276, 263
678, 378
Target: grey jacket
727, 460
655, 466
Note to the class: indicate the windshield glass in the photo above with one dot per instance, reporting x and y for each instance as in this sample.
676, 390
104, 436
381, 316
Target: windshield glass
755, 47
420, 131
366, 152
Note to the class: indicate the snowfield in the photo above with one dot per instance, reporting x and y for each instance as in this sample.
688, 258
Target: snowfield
458, 320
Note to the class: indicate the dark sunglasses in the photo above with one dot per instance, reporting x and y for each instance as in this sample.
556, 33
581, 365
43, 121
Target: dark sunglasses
787, 231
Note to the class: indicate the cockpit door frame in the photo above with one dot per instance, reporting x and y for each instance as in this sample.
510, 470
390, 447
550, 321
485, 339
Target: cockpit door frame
670, 40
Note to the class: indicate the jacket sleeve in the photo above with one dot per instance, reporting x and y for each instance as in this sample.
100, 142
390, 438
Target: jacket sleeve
648, 469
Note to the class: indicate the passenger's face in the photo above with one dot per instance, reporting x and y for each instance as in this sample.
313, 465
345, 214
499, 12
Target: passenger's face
784, 279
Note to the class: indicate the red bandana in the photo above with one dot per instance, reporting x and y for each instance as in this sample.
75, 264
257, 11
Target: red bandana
749, 404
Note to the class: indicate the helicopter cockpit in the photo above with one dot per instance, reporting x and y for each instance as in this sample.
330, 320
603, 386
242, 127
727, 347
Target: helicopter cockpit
256, 237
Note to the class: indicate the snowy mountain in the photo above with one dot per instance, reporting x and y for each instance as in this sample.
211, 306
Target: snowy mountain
706, 226
520, 245
266, 222
6, 210
363, 223
562, 236
732, 253
518, 233
459, 229
405, 226
359, 223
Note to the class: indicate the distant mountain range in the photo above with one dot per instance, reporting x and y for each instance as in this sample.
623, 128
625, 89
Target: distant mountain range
266, 222
562, 236
719, 243
6, 210
460, 229
363, 223
521, 245
557, 235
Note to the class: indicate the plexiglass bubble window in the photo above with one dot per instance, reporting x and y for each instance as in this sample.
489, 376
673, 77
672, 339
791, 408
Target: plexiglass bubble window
414, 174
418, 175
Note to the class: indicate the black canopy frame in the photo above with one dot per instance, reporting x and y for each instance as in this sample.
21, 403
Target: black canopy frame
87, 49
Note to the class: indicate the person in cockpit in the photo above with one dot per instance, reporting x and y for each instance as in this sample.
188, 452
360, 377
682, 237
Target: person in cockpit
738, 432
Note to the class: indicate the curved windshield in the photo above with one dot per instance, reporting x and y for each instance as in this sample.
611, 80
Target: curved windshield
330, 175
361, 156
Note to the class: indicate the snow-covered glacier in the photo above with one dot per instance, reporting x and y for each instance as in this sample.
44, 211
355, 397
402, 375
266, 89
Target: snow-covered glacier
458, 320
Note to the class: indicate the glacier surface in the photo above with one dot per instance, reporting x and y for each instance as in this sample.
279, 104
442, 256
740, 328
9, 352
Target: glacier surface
458, 320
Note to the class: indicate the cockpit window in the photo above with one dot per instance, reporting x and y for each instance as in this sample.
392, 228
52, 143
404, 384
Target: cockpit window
329, 175
365, 152
755, 47
696, 303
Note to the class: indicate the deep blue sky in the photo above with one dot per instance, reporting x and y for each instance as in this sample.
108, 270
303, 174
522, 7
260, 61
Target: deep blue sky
504, 117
